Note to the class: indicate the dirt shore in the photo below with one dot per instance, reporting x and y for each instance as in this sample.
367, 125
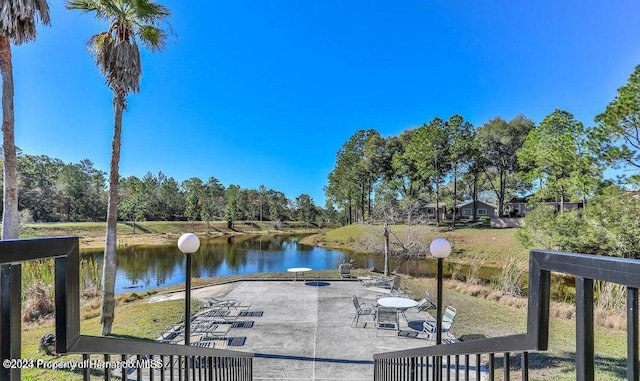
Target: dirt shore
128, 240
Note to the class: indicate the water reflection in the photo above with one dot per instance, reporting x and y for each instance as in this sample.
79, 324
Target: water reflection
146, 267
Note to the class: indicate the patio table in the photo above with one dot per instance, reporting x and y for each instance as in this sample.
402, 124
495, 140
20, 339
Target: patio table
298, 270
400, 304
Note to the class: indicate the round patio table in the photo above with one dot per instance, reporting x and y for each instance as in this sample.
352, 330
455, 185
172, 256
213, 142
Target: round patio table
395, 302
298, 270
400, 304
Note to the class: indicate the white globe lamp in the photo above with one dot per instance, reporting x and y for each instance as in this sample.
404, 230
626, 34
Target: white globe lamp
188, 244
440, 248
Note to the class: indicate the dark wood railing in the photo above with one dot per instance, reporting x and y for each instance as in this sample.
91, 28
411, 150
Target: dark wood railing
138, 359
444, 361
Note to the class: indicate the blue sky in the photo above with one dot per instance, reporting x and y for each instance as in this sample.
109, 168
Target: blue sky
266, 92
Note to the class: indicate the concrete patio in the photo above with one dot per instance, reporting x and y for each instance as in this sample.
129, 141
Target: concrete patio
305, 330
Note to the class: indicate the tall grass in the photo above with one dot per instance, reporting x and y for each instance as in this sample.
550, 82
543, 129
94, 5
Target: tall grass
42, 272
509, 280
610, 296
38, 288
37, 272
473, 274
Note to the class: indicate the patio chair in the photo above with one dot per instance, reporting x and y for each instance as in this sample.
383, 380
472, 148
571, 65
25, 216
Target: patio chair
345, 270
393, 289
386, 318
361, 309
425, 303
375, 281
429, 326
215, 302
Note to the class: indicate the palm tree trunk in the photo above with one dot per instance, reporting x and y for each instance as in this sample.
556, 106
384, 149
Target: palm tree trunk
109, 266
10, 220
10, 275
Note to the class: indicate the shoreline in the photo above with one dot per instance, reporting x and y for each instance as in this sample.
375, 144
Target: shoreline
92, 234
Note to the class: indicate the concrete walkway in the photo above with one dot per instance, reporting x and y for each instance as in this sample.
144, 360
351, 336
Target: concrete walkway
305, 330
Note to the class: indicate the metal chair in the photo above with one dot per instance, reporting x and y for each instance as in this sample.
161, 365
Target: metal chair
345, 270
425, 303
429, 326
386, 318
361, 309
392, 289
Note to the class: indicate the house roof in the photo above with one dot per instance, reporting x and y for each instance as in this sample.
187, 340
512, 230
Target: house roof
479, 202
459, 204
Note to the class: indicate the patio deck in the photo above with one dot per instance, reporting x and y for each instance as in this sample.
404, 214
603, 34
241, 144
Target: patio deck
305, 330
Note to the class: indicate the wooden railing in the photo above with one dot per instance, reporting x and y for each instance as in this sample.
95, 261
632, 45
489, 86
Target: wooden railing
463, 360
137, 359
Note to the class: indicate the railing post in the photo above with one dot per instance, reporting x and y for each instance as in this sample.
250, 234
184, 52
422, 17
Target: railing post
413, 370
492, 367
632, 334
11, 323
585, 355
507, 367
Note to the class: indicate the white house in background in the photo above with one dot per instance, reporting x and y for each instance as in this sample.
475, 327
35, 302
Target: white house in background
483, 209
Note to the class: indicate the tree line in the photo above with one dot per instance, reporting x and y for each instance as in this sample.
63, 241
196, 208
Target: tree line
445, 160
51, 190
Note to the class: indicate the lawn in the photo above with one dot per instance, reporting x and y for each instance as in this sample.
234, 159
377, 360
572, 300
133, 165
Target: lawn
133, 319
490, 245
92, 234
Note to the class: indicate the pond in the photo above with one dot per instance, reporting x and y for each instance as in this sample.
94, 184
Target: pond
147, 267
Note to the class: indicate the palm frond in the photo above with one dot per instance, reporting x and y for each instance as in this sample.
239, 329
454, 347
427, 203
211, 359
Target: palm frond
149, 11
113, 8
152, 38
42, 8
116, 50
83, 5
118, 61
18, 19
100, 45
100, 7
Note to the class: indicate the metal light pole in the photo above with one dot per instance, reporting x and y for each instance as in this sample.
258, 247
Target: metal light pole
440, 248
188, 244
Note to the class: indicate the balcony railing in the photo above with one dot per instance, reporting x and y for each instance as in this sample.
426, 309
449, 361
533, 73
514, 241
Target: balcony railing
454, 361
139, 359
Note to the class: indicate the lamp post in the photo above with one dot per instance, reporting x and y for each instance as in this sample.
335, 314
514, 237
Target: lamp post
440, 248
188, 244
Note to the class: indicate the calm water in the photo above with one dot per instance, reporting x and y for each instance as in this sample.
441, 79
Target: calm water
146, 267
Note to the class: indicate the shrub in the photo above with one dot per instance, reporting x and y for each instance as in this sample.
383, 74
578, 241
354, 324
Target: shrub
608, 225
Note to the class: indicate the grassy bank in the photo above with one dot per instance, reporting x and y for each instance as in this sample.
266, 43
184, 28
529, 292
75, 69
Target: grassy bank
498, 315
486, 313
156, 232
133, 319
490, 245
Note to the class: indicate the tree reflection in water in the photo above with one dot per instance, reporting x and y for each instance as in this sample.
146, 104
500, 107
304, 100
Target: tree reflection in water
145, 267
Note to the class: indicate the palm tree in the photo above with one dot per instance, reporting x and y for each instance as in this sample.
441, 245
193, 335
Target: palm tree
118, 58
17, 26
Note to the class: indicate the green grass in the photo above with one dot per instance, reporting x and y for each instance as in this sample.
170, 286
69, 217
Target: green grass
480, 317
133, 319
156, 227
490, 245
